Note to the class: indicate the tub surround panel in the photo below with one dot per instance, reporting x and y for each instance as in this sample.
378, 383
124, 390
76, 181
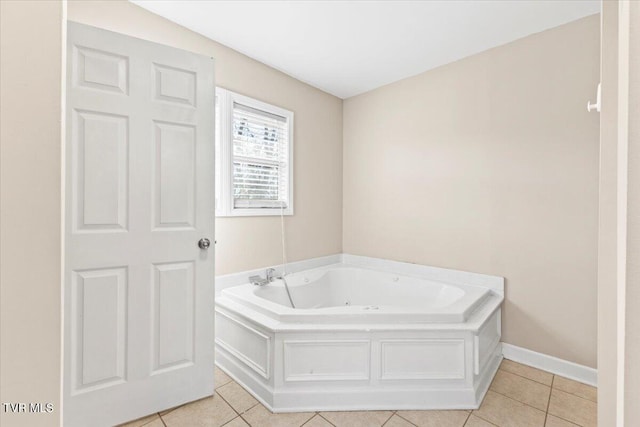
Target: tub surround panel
486, 341
256, 385
405, 359
245, 342
376, 379
326, 360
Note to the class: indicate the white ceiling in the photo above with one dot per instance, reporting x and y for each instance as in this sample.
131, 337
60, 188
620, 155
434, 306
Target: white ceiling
350, 47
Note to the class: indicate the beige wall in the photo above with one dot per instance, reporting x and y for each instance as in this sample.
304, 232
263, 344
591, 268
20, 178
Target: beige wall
246, 243
30, 207
490, 164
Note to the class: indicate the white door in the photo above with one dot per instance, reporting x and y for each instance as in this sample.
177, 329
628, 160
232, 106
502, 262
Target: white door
139, 291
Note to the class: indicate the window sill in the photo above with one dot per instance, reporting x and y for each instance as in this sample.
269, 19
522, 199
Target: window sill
254, 212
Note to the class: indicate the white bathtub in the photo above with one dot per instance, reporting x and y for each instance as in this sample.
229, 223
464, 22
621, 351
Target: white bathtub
365, 334
346, 294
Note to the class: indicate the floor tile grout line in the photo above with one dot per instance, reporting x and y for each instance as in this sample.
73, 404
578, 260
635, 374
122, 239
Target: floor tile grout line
546, 372
229, 379
162, 415
390, 416
394, 412
516, 400
385, 423
484, 419
146, 424
245, 420
248, 409
324, 418
586, 385
245, 390
527, 378
234, 418
573, 394
467, 420
405, 419
222, 385
546, 412
552, 381
170, 410
225, 401
320, 415
215, 391
564, 419
307, 422
309, 419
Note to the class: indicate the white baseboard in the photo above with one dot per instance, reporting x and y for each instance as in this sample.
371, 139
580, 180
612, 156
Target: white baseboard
561, 367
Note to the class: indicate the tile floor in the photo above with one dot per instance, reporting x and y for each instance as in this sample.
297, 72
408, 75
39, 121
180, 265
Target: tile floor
520, 396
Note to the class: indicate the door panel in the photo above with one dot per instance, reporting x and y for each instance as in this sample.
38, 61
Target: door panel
138, 289
100, 70
174, 85
173, 316
99, 171
99, 328
174, 188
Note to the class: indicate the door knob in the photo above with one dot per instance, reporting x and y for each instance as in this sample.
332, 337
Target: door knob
204, 243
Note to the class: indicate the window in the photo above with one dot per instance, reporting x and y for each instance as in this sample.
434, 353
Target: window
254, 147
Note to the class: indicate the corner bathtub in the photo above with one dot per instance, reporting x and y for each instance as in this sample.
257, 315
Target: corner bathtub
361, 338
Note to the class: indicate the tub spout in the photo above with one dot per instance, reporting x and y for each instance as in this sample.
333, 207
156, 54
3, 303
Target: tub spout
271, 275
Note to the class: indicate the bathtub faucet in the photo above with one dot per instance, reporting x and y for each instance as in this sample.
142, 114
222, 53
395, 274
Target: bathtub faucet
271, 275
259, 281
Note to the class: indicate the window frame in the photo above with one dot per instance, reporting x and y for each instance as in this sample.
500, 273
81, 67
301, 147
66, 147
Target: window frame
225, 206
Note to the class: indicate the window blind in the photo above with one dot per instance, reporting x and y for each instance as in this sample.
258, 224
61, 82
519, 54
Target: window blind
260, 158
